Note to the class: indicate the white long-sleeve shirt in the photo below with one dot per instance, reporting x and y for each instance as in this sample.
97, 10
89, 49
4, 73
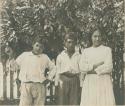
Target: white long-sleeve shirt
32, 67
66, 64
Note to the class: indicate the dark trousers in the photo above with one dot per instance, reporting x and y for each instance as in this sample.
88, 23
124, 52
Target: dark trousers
69, 92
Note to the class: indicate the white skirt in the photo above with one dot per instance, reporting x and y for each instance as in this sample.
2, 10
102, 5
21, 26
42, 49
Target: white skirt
97, 91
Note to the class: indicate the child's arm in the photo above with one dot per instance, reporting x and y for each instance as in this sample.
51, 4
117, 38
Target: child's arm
94, 67
52, 69
84, 65
18, 63
107, 67
58, 70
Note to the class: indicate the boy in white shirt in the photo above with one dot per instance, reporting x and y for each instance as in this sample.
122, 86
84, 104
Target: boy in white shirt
32, 69
68, 73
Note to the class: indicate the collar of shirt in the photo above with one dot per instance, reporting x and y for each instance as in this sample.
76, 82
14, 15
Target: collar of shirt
100, 46
31, 54
74, 54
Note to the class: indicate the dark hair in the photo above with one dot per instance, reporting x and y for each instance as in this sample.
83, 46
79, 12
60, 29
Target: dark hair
39, 40
70, 35
96, 29
92, 31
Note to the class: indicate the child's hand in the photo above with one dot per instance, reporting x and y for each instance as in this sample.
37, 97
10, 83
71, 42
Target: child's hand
46, 82
18, 81
61, 83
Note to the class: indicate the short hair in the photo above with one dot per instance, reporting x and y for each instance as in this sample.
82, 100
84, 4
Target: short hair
97, 29
70, 35
39, 40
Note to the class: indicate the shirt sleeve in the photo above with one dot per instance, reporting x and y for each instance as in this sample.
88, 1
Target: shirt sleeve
84, 65
58, 65
58, 70
14, 66
61, 68
78, 61
107, 66
19, 59
52, 69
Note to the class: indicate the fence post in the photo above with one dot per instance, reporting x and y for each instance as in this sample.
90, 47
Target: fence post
4, 82
11, 85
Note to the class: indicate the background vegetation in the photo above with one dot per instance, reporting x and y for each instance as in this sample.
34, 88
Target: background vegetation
23, 20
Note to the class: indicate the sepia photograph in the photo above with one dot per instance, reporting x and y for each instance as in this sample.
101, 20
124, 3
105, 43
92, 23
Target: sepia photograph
62, 53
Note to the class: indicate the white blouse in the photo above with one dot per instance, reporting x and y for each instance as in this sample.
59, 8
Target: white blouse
95, 55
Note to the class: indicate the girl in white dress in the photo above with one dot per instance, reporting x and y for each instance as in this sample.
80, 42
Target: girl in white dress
96, 64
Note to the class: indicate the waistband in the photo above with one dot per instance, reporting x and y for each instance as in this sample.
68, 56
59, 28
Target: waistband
32, 82
70, 75
91, 73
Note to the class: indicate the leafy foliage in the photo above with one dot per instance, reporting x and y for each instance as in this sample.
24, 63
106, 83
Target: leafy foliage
23, 20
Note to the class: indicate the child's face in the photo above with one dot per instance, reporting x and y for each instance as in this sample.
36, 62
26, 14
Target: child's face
37, 48
96, 38
70, 44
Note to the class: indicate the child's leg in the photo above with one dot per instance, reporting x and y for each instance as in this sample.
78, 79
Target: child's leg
39, 94
26, 96
74, 95
63, 91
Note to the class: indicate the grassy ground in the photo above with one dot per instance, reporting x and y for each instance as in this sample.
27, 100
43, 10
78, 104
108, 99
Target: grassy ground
9, 102
16, 102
